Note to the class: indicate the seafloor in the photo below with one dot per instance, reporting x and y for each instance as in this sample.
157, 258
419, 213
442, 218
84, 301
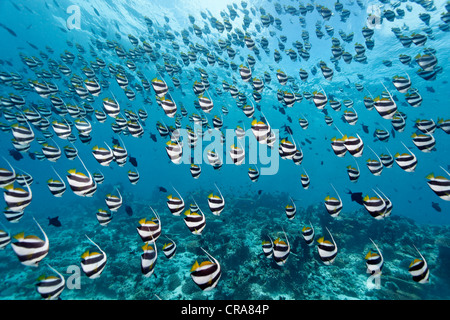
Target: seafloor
246, 273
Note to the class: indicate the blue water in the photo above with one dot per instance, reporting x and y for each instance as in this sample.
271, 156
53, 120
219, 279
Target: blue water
253, 211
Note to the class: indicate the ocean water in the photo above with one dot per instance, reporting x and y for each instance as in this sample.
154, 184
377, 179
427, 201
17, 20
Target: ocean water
144, 40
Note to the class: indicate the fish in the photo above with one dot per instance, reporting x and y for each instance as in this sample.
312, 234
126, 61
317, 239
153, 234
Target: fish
281, 250
150, 229
374, 261
267, 247
96, 11
51, 287
148, 258
308, 234
54, 221
216, 203
93, 263
129, 210
170, 248
356, 197
133, 161
104, 217
162, 189
114, 202
31, 250
419, 269
440, 185
333, 205
436, 206
176, 205
327, 249
206, 275
11, 32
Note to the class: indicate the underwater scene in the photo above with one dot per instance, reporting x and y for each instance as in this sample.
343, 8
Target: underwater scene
225, 150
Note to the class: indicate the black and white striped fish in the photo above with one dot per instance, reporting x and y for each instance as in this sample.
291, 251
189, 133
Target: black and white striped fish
267, 247
103, 217
195, 221
419, 269
5, 239
93, 263
327, 249
81, 185
51, 287
281, 250
237, 154
376, 206
308, 234
133, 176
195, 170
114, 202
290, 210
253, 174
440, 185
175, 204
7, 177
17, 199
406, 161
170, 248
424, 142
333, 205
30, 249
174, 151
102, 155
150, 229
216, 203
56, 187
148, 258
305, 180
111, 107
206, 275
354, 145
374, 261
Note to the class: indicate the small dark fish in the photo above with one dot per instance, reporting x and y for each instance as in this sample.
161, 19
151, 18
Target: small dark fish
133, 161
15, 154
32, 155
365, 128
8, 29
430, 89
259, 192
436, 206
96, 12
115, 141
32, 45
15, 6
289, 119
356, 196
325, 111
162, 189
56, 3
54, 222
282, 111
128, 210
321, 163
288, 129
153, 137
393, 133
